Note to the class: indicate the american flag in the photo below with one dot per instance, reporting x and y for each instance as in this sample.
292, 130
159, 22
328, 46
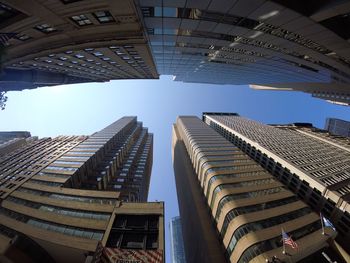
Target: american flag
287, 240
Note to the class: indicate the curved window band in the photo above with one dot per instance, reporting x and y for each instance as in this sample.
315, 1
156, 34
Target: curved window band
251, 194
263, 224
239, 184
254, 208
236, 175
275, 242
225, 168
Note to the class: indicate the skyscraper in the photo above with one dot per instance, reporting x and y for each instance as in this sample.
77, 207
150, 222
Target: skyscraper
53, 208
69, 41
302, 46
232, 209
270, 44
338, 127
10, 141
309, 161
176, 241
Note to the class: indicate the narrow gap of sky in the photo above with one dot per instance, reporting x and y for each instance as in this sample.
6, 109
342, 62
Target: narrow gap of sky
83, 109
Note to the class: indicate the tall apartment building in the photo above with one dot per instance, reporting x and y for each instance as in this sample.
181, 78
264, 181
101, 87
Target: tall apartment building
176, 241
10, 141
70, 41
310, 162
81, 198
299, 45
232, 209
338, 127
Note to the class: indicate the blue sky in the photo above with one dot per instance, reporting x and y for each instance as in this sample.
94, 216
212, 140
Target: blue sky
85, 108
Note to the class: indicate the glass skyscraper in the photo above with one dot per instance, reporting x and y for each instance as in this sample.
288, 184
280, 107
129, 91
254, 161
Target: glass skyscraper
176, 241
338, 127
274, 45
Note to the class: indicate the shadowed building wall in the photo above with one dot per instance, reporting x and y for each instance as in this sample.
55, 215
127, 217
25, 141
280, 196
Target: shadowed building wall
66, 41
200, 238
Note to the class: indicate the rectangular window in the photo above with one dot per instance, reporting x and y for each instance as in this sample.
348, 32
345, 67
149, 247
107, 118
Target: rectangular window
134, 232
147, 11
81, 20
45, 28
104, 16
23, 37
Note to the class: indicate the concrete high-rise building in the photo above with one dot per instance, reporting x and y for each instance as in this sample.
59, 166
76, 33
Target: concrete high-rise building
81, 198
338, 127
12, 140
9, 135
232, 209
282, 44
70, 41
176, 241
310, 162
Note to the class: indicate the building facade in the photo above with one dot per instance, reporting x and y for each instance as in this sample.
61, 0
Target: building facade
273, 43
176, 241
70, 41
338, 127
231, 208
10, 141
81, 198
270, 44
310, 162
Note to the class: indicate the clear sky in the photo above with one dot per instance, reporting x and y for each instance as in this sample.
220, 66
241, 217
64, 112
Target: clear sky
86, 108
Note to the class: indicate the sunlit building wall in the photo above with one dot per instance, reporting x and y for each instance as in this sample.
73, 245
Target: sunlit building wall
232, 209
78, 198
311, 162
338, 127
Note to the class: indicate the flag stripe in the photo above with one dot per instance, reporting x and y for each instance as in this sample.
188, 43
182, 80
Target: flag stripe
287, 240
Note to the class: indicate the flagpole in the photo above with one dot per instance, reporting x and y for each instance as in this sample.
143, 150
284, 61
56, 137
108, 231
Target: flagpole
322, 223
284, 246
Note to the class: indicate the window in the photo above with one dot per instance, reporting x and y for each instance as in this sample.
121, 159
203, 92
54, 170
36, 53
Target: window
68, 230
45, 28
81, 20
262, 224
237, 196
275, 242
134, 232
97, 54
23, 37
60, 168
97, 200
60, 210
104, 16
239, 185
147, 11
